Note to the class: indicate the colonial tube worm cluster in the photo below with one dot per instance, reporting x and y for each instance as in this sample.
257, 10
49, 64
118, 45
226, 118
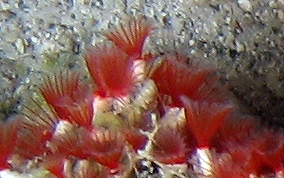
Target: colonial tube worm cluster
165, 110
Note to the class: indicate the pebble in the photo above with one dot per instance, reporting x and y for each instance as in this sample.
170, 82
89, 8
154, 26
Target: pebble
20, 45
245, 5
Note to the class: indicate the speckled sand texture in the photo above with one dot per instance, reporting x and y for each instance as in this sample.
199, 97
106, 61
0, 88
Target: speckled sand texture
242, 38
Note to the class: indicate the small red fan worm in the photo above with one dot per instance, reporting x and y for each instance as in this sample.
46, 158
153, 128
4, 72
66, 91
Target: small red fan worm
169, 146
112, 71
37, 128
106, 146
67, 140
204, 119
71, 100
130, 38
41, 116
8, 140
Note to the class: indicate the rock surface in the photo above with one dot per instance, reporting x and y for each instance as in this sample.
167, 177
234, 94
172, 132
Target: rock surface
242, 38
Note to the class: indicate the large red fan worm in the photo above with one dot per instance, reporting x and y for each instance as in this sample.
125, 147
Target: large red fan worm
169, 146
259, 153
244, 155
130, 37
112, 71
224, 166
175, 78
235, 130
8, 139
238, 127
258, 150
70, 100
263, 156
270, 150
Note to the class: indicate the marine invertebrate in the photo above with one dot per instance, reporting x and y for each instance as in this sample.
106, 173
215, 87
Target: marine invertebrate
130, 37
109, 66
8, 140
174, 78
169, 146
70, 99
204, 119
106, 146
167, 110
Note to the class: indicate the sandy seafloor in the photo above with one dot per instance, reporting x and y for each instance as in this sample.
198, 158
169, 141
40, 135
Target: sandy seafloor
243, 39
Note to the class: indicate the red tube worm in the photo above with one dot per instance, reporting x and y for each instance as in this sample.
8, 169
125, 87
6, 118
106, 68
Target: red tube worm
169, 146
130, 37
203, 120
8, 140
70, 100
112, 71
175, 78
